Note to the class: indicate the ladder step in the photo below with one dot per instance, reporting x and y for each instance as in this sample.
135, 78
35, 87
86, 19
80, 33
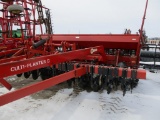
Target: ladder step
11, 16
27, 22
27, 8
22, 29
4, 31
2, 10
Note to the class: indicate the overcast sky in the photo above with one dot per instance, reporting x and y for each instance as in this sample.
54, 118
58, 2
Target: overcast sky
104, 16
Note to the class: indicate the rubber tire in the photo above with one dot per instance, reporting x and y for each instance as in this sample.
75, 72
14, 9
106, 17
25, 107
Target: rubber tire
46, 73
96, 87
26, 74
15, 9
69, 83
19, 75
82, 84
35, 74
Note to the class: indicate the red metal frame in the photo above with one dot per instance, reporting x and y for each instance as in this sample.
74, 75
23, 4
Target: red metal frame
40, 62
4, 99
12, 96
44, 61
59, 48
116, 42
27, 20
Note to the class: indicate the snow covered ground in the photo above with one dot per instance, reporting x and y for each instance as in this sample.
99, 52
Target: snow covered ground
142, 104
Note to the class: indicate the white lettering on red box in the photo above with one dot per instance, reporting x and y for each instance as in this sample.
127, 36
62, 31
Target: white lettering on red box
29, 65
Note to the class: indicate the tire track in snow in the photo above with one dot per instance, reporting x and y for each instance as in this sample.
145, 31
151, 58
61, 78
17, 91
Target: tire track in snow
116, 105
112, 106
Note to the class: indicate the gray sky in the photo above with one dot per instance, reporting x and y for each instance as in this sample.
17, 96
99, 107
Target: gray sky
104, 16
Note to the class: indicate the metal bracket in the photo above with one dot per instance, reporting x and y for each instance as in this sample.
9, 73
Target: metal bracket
70, 66
124, 73
116, 72
64, 67
134, 74
92, 69
110, 73
60, 66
